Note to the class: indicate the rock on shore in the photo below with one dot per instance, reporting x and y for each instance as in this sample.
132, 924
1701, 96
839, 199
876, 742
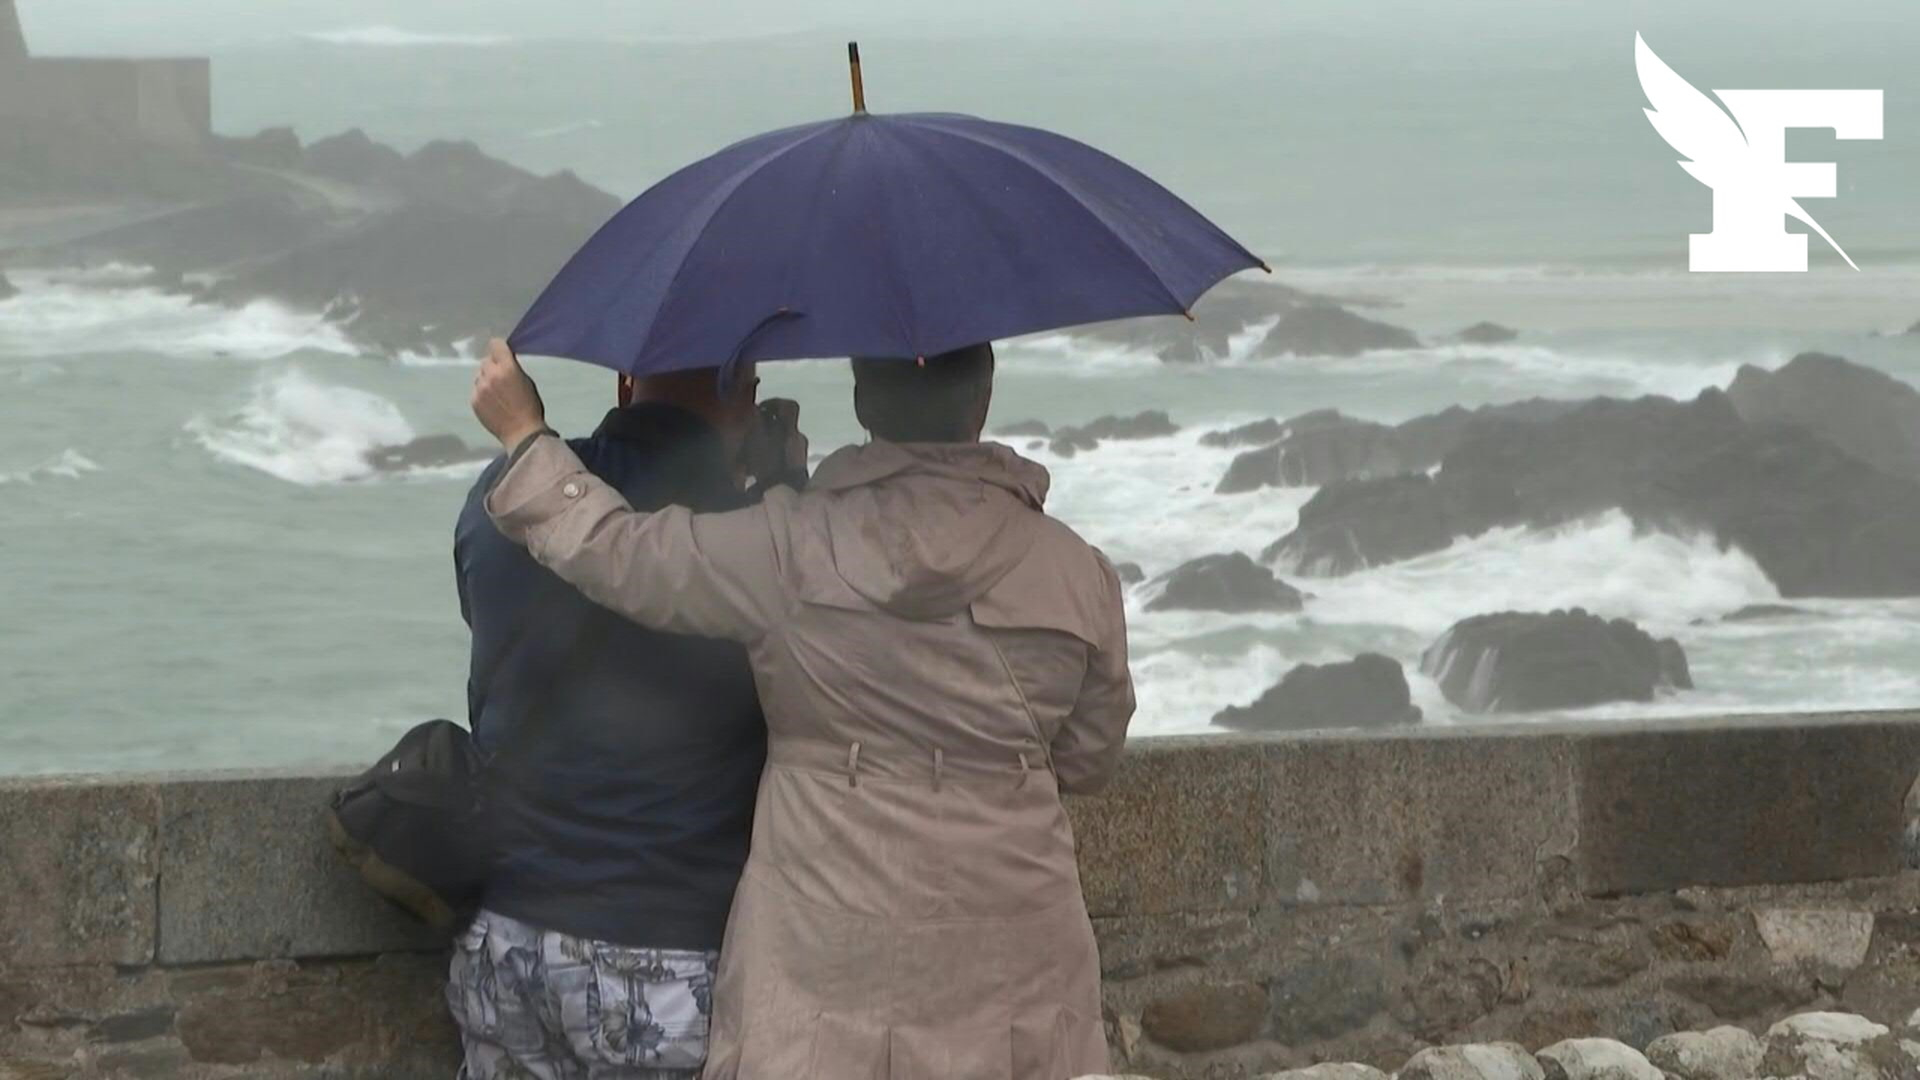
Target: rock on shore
1528, 661
1369, 691
1230, 583
1868, 413
1818, 520
1296, 323
414, 252
1151, 424
1487, 333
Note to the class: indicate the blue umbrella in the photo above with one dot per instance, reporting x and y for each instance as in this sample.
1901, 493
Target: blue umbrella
875, 235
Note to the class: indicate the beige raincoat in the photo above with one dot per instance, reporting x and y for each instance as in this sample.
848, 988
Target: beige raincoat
938, 660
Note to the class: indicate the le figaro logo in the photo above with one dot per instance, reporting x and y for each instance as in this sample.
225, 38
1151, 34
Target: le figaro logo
1741, 153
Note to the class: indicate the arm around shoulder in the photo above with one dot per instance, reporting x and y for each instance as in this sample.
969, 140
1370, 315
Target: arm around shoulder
714, 575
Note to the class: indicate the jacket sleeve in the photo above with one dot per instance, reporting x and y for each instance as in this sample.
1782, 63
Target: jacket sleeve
713, 575
1087, 748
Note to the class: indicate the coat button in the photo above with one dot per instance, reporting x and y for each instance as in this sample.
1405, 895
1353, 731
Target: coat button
571, 490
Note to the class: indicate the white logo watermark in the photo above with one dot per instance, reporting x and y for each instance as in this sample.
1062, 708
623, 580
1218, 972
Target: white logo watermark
1743, 158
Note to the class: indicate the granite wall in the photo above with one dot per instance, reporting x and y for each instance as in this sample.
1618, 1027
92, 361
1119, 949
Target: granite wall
1260, 903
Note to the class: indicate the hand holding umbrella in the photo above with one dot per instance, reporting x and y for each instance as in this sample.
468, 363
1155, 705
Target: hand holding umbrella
505, 400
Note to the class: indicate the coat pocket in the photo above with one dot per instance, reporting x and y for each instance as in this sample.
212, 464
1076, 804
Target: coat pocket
646, 1008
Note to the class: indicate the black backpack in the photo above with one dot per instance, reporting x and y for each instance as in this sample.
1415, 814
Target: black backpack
416, 826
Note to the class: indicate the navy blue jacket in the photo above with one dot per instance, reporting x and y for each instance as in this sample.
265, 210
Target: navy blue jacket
628, 759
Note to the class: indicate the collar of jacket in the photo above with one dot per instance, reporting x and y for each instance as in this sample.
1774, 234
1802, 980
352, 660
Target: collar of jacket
989, 463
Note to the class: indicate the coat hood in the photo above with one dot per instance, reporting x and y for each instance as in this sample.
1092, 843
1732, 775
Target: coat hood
923, 530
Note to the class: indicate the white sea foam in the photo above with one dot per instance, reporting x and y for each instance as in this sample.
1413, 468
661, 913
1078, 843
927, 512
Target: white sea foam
558, 130
64, 315
392, 37
69, 464
303, 431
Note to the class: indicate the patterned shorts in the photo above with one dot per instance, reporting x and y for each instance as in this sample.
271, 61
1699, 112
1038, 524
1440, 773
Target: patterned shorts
537, 1005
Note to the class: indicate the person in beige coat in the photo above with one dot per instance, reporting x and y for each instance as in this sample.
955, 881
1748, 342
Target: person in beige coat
938, 661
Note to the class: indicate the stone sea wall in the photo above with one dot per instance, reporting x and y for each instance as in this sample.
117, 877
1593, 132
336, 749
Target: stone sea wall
1262, 903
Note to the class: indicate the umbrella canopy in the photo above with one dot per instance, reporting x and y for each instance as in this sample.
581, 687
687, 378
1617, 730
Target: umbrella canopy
875, 235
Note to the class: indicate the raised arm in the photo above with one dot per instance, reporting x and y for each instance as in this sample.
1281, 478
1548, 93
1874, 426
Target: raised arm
714, 575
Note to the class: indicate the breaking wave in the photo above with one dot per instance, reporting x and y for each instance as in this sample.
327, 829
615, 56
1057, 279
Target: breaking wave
394, 37
303, 431
69, 464
101, 312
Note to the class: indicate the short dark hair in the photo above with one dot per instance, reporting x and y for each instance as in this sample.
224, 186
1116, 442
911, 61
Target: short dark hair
940, 400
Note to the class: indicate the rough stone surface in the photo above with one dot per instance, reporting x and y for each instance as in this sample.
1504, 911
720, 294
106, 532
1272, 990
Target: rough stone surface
1326, 996
1326, 330
1369, 691
1722, 1053
1835, 1046
1175, 832
1596, 1059
1208, 1017
263, 838
1130, 573
1331, 1070
1834, 940
1523, 661
78, 863
1382, 821
1742, 805
1231, 582
1868, 413
1487, 333
1474, 1061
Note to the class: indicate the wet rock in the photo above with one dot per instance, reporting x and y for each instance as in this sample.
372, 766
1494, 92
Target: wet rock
1258, 433
1596, 1059
1527, 661
1593, 956
1737, 997
1368, 691
1326, 997
1317, 448
1344, 1070
1231, 583
1827, 941
1353, 525
1024, 427
1230, 308
1723, 1053
1833, 1046
427, 452
353, 157
1756, 612
1474, 1061
1130, 573
273, 148
1206, 1017
7, 289
1329, 330
1487, 333
1868, 413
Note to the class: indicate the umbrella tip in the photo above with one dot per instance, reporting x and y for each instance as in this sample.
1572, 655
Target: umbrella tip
853, 66
1265, 267
1189, 316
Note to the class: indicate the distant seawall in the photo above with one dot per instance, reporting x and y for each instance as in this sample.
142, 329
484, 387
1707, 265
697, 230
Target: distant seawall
1260, 902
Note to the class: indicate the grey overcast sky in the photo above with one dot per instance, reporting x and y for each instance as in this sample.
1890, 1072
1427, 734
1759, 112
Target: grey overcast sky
176, 25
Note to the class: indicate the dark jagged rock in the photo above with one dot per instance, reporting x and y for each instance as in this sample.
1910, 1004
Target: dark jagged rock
1355, 524
1025, 427
1259, 433
1227, 309
356, 159
1329, 330
1152, 424
427, 452
1487, 333
1914, 330
1369, 691
1130, 573
407, 253
1754, 612
1870, 414
1528, 661
1326, 446
1819, 521
7, 289
1319, 448
1232, 583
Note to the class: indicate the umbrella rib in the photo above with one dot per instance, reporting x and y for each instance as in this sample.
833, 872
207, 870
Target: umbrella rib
745, 175
1051, 177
